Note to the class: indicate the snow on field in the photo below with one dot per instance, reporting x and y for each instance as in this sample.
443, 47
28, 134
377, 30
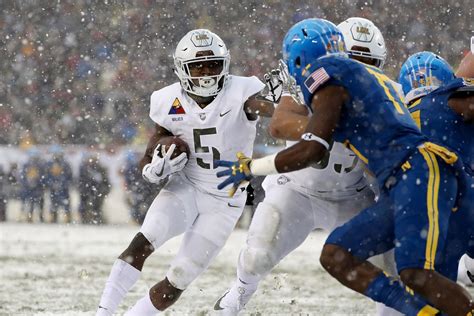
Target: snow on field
51, 269
54, 269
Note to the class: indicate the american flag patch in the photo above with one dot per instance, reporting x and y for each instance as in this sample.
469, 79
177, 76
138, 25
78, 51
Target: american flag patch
316, 79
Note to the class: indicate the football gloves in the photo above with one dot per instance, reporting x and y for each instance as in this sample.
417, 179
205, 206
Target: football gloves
470, 276
274, 84
237, 172
161, 167
289, 83
279, 82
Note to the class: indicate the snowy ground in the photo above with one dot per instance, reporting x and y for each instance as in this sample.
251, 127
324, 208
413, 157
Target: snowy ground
54, 269
51, 269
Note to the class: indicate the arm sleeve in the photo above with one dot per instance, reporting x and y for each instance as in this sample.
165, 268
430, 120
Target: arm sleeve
254, 86
156, 110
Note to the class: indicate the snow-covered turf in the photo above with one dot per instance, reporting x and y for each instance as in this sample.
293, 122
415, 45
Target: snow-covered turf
51, 269
55, 269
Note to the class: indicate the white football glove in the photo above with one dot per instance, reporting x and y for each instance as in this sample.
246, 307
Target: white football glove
274, 84
161, 167
469, 263
289, 83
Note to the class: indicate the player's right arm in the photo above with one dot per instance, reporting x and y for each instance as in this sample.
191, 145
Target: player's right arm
152, 143
160, 162
289, 120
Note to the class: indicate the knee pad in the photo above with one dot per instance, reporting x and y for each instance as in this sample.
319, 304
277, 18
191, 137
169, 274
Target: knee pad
255, 262
193, 258
261, 254
265, 226
182, 273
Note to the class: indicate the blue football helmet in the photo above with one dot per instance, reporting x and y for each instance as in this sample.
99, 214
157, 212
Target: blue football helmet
309, 40
422, 73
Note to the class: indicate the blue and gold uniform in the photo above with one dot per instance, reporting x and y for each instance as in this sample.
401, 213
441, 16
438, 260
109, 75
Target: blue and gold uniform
441, 124
374, 122
418, 182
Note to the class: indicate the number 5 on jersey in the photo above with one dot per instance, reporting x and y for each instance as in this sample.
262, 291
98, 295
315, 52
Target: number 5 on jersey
199, 149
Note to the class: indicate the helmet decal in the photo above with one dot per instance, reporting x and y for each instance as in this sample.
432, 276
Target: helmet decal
201, 39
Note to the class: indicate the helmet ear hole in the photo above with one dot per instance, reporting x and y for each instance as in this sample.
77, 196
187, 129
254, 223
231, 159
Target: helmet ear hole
298, 62
304, 32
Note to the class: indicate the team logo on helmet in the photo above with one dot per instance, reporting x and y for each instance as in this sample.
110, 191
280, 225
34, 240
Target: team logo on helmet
361, 33
421, 79
201, 40
363, 30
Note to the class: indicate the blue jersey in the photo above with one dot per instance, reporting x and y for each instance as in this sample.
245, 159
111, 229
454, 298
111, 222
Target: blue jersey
374, 122
441, 124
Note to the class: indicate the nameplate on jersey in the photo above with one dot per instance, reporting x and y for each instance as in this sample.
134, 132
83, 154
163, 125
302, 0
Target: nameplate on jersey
316, 79
176, 108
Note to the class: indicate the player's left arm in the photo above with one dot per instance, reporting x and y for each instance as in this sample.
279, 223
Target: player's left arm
463, 105
263, 102
257, 105
327, 104
466, 68
314, 144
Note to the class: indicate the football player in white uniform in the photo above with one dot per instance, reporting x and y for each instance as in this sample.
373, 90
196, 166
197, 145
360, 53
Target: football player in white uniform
203, 109
323, 196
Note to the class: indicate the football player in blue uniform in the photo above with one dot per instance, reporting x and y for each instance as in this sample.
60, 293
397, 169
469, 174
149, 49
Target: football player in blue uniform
438, 102
357, 105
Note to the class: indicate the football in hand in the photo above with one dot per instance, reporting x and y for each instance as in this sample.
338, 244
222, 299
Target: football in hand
181, 145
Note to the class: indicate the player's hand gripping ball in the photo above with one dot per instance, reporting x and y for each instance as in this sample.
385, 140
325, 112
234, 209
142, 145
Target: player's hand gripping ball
167, 141
170, 156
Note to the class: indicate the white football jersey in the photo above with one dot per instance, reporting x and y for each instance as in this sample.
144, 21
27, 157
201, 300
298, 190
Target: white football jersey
218, 131
335, 177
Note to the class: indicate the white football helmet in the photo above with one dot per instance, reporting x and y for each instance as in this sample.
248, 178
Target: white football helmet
189, 46
363, 33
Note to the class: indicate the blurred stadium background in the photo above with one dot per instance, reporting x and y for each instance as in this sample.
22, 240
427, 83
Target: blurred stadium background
79, 73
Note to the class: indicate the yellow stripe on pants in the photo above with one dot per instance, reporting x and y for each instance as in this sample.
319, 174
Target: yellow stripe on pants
432, 208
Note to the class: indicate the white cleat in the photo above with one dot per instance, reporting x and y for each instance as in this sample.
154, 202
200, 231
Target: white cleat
225, 310
233, 301
102, 311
